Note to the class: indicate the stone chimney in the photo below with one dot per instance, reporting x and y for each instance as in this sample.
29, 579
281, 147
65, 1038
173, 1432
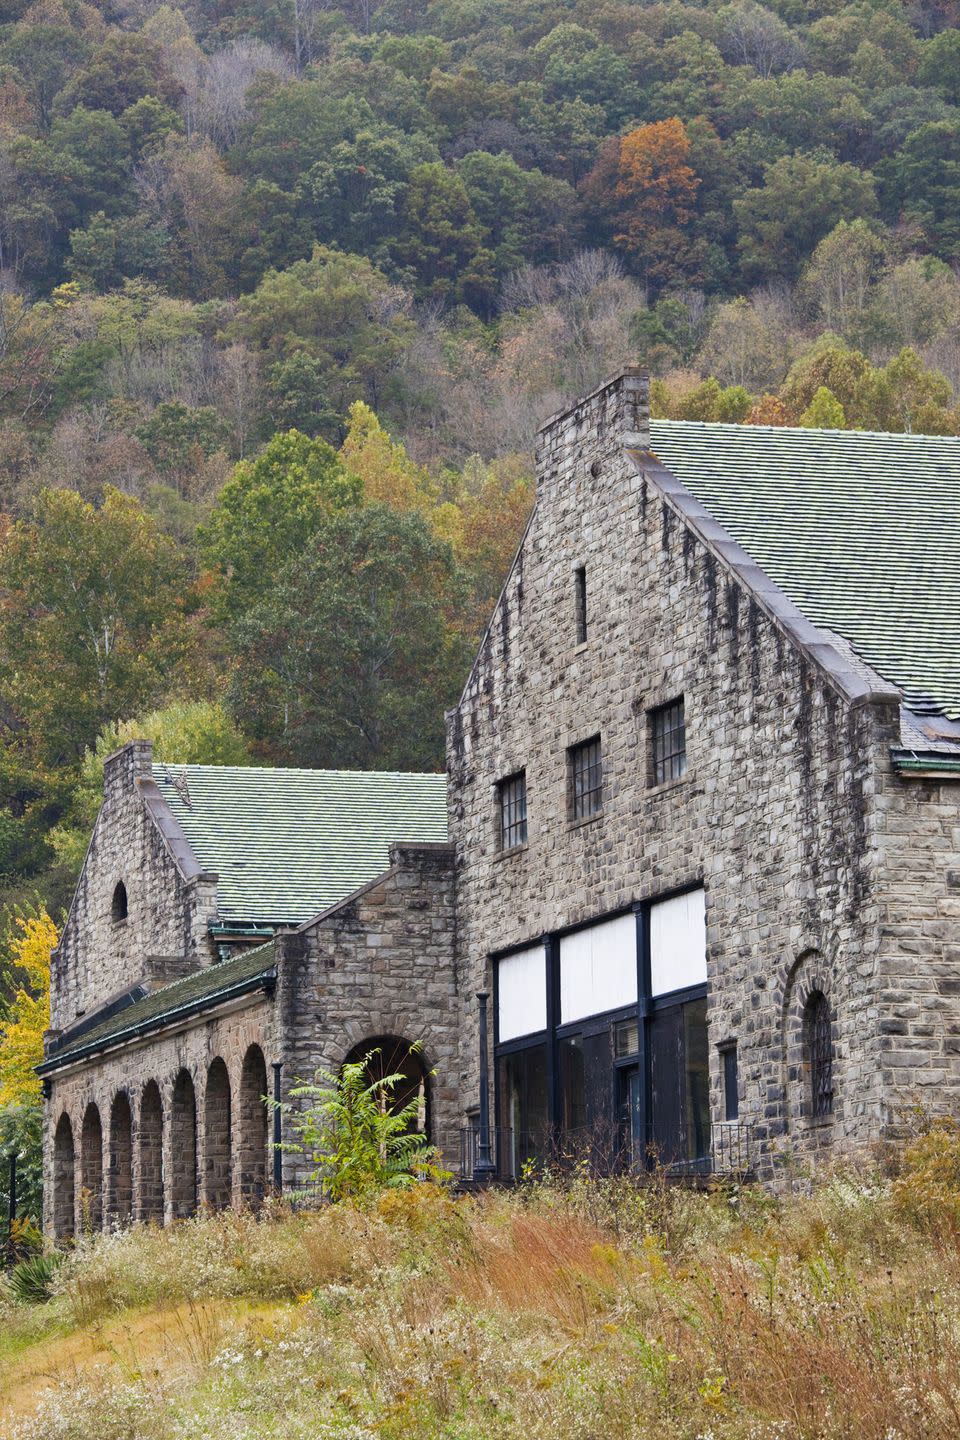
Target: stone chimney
613, 418
124, 767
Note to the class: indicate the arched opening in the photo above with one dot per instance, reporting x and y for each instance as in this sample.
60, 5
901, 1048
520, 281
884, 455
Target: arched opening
183, 1145
120, 1174
393, 1056
118, 905
63, 1181
91, 1169
818, 1048
254, 1118
217, 1172
150, 1209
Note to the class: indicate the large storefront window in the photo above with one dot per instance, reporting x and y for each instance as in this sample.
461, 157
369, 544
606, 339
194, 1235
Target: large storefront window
617, 1074
524, 1118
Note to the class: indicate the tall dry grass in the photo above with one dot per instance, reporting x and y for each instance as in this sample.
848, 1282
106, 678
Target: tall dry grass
562, 1312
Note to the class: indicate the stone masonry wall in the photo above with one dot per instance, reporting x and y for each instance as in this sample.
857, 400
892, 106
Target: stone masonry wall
169, 903
918, 893
379, 964
129, 1071
775, 814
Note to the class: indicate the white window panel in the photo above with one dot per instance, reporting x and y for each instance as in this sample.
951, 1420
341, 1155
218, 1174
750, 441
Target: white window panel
522, 993
678, 943
598, 969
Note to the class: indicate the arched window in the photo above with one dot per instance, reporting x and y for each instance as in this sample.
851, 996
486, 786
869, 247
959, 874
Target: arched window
818, 1037
118, 906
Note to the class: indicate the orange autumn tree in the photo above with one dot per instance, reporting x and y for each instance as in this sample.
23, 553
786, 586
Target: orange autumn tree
649, 188
28, 1015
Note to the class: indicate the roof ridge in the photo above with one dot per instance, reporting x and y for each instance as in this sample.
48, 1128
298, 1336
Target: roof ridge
298, 770
811, 430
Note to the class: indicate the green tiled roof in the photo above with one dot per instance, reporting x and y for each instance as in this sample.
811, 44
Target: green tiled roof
194, 992
860, 530
286, 844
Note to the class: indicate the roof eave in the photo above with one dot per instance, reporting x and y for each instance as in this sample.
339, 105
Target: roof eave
155, 1023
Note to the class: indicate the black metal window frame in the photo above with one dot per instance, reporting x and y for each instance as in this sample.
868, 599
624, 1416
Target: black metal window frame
512, 805
586, 778
644, 1010
580, 603
818, 1025
668, 742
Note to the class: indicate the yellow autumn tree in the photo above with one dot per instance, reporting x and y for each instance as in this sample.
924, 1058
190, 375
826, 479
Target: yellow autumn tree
21, 1031
388, 474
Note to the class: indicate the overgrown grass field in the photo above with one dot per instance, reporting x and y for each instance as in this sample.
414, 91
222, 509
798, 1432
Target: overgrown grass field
560, 1312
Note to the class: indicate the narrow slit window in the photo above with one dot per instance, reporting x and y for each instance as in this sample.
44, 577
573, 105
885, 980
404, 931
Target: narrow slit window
669, 742
586, 779
513, 810
819, 1044
731, 1084
580, 600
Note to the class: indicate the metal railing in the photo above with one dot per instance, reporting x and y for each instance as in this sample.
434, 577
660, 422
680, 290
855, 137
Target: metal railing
732, 1154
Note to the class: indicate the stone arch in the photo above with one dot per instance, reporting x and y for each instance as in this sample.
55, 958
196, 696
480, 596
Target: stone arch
808, 978
183, 1146
397, 1056
64, 1186
120, 1170
91, 1167
150, 1138
118, 905
217, 1138
254, 1121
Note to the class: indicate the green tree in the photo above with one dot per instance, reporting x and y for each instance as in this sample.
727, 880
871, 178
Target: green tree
346, 662
439, 236
121, 71
87, 620
340, 311
921, 183
803, 197
267, 512
939, 64
353, 193
178, 438
824, 412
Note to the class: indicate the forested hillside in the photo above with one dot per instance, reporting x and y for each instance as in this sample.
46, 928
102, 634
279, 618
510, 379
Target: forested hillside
286, 288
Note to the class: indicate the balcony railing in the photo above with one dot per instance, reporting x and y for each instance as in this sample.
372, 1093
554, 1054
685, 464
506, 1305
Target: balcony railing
512, 1153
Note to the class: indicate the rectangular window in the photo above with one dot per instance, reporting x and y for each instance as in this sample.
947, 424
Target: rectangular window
626, 1039
731, 1083
580, 582
513, 810
586, 779
524, 1113
668, 742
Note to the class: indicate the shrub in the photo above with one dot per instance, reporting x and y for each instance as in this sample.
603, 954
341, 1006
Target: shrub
927, 1190
31, 1280
360, 1140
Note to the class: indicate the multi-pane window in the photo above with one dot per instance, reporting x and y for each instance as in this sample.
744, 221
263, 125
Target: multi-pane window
580, 603
669, 741
586, 779
513, 811
819, 1046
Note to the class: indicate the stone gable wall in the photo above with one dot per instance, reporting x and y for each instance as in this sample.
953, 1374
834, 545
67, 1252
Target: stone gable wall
165, 932
774, 815
380, 964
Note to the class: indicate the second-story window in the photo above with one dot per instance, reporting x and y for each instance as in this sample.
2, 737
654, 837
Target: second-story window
586, 779
513, 810
669, 742
580, 603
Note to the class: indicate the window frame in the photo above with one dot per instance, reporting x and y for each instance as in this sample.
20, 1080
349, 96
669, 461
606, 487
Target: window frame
667, 765
818, 1044
507, 798
583, 795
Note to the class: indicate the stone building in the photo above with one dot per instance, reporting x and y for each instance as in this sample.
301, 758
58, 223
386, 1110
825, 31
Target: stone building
703, 850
